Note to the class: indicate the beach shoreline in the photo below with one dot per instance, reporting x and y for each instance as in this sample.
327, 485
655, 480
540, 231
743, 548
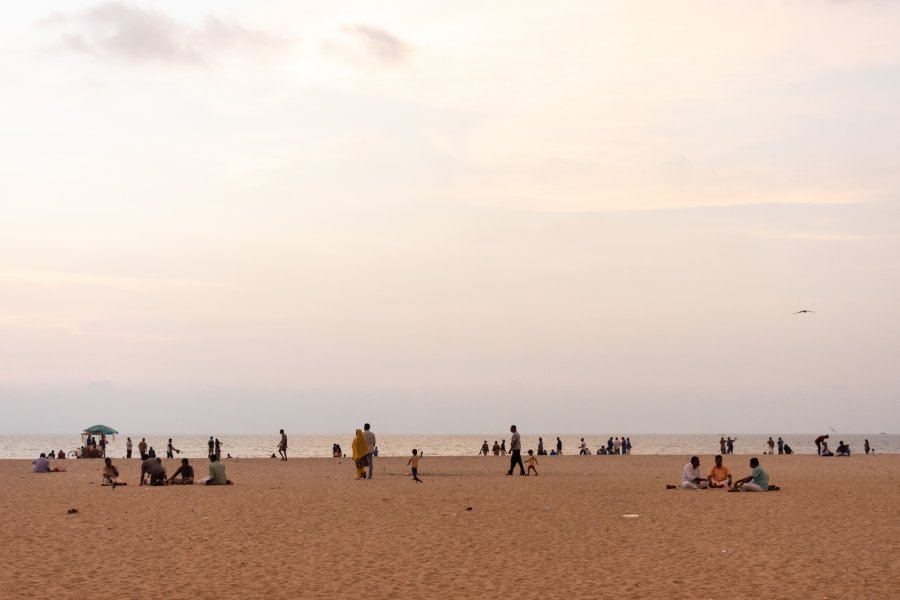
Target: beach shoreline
306, 529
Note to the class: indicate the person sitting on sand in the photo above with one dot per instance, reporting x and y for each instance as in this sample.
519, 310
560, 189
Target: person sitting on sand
843, 449
111, 474
52, 454
151, 453
42, 465
532, 462
788, 449
719, 475
690, 476
217, 473
757, 481
186, 471
413, 463
824, 451
360, 448
154, 470
61, 455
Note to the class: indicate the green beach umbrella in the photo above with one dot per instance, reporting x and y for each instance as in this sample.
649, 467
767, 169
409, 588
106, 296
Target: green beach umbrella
100, 429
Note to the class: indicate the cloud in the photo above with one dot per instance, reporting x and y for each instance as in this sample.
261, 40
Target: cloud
117, 31
380, 43
48, 278
813, 237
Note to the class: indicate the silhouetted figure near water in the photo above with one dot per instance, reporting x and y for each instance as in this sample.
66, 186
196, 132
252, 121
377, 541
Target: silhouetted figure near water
515, 448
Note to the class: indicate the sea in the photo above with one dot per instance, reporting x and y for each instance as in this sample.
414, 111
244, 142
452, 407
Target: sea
320, 445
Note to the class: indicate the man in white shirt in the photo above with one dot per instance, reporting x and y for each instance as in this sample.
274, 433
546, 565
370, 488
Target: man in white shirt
370, 440
515, 448
690, 476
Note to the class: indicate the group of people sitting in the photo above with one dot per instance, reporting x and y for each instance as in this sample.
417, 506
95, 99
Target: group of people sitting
153, 472
720, 477
61, 455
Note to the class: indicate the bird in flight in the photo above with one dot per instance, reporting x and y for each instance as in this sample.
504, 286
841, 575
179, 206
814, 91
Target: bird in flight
800, 312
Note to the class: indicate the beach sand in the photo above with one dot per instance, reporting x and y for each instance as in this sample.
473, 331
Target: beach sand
307, 529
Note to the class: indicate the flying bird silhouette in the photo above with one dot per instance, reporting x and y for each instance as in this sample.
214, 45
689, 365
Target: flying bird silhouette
800, 312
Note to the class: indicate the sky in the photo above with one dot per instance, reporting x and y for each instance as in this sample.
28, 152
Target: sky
447, 217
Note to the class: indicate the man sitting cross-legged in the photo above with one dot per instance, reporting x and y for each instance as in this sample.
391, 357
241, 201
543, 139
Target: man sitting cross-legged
186, 471
719, 475
690, 476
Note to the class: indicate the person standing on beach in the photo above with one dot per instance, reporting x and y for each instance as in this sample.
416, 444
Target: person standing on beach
819, 442
413, 463
617, 446
360, 448
282, 445
503, 447
103, 444
484, 449
628, 445
722, 448
515, 449
211, 444
730, 443
496, 448
218, 449
370, 440
558, 446
128, 448
171, 449
771, 444
866, 446
532, 463
780, 445
142, 448
540, 446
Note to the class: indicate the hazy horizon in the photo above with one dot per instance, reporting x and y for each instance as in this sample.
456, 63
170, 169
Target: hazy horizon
450, 216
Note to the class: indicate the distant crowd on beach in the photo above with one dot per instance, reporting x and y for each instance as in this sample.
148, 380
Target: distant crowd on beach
614, 446
364, 451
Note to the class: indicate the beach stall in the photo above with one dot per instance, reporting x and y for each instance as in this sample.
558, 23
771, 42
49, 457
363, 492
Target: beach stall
93, 450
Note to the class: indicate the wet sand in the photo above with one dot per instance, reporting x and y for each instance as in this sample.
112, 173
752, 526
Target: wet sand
307, 529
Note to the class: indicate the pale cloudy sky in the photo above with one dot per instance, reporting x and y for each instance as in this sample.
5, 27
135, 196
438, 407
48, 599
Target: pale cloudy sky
450, 216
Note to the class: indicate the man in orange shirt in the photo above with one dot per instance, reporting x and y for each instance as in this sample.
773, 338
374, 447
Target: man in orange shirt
719, 475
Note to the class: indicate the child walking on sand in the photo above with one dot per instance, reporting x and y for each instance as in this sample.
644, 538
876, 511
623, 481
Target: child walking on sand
532, 461
414, 463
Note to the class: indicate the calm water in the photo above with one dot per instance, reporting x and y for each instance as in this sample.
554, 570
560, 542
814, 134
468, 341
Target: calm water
249, 446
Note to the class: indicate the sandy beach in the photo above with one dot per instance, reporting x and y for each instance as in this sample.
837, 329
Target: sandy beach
307, 529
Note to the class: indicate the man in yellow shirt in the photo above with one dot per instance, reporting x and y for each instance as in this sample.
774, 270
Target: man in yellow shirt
719, 475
